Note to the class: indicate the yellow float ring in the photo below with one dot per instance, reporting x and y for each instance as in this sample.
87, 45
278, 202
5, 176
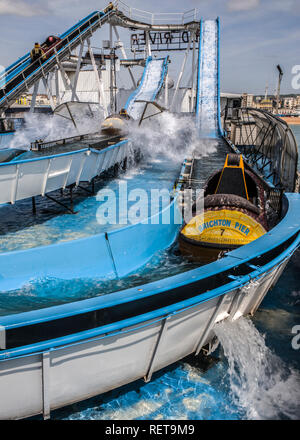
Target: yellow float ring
223, 227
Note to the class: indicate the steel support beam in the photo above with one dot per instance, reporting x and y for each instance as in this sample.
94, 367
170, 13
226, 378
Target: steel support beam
193, 73
166, 90
111, 76
49, 92
99, 82
162, 330
148, 45
46, 384
77, 72
209, 326
125, 56
66, 80
180, 75
57, 87
34, 95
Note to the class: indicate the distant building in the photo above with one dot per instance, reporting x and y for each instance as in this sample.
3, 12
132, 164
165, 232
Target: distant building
288, 102
247, 100
288, 105
265, 104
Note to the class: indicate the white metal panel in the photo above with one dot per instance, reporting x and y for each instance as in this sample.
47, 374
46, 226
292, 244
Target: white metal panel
59, 169
30, 178
100, 162
7, 181
191, 323
21, 384
78, 162
87, 86
107, 363
90, 167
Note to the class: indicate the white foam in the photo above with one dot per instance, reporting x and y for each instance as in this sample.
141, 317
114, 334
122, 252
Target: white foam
170, 135
261, 384
52, 127
148, 87
208, 93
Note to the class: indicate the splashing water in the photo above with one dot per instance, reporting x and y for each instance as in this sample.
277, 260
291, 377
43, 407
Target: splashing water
152, 78
174, 136
48, 127
208, 82
261, 384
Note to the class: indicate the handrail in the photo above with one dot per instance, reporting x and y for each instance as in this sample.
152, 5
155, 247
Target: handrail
24, 65
64, 39
267, 143
41, 67
157, 18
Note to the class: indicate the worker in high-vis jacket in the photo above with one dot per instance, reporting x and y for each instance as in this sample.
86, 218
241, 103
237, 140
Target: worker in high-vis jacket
109, 7
36, 52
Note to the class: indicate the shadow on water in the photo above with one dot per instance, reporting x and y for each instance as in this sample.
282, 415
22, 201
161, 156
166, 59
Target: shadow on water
20, 216
154, 398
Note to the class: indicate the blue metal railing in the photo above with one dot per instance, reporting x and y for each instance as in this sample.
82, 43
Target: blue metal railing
24, 70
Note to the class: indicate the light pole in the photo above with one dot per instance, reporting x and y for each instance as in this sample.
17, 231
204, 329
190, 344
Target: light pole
280, 74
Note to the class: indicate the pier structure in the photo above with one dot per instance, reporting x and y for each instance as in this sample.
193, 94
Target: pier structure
60, 71
55, 356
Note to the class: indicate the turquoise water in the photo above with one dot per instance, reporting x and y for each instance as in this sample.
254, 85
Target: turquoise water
258, 378
21, 230
158, 169
266, 385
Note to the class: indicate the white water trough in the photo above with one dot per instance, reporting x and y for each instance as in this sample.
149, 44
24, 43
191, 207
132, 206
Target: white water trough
38, 176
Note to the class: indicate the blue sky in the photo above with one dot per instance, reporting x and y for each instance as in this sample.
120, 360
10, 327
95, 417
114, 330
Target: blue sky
256, 35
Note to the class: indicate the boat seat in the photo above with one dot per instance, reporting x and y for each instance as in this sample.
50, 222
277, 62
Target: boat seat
232, 180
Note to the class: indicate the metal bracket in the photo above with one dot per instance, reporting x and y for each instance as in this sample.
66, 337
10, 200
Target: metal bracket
46, 384
70, 209
209, 326
162, 330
